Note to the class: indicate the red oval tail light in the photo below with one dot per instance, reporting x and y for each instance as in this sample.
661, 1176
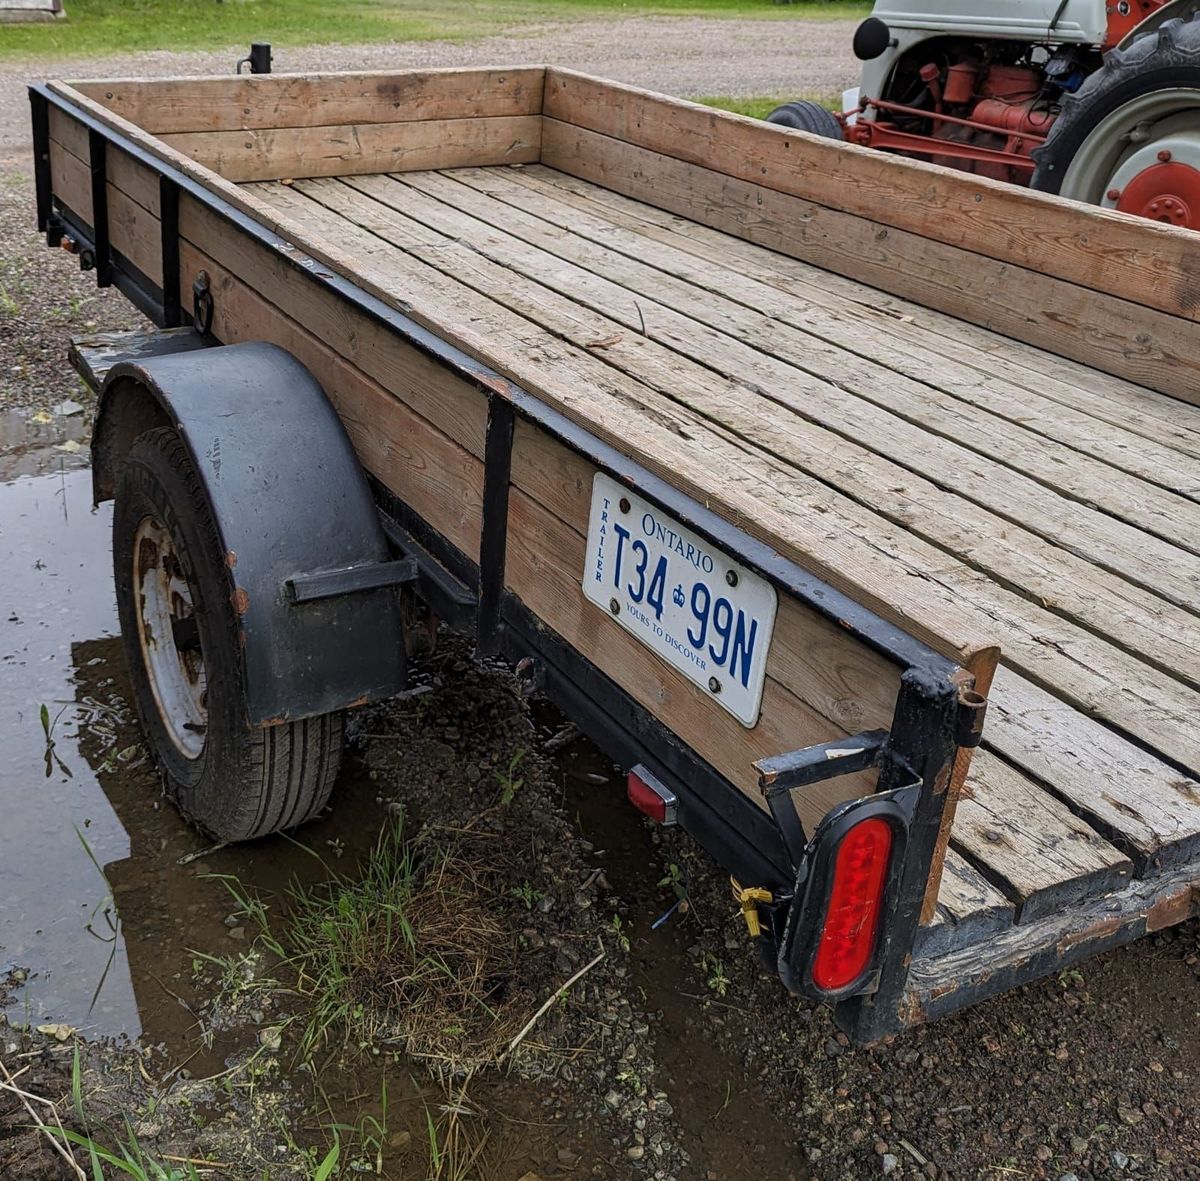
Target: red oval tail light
855, 900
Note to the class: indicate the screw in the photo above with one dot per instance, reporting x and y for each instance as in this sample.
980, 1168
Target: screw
1113, 194
731, 577
714, 685
1164, 156
614, 606
624, 504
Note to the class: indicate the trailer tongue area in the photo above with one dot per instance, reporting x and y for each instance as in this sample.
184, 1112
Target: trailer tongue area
753, 478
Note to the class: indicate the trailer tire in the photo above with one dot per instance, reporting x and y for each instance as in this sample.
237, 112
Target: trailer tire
1129, 137
232, 780
803, 115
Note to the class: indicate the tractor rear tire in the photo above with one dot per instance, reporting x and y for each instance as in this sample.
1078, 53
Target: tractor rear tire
1151, 89
803, 115
182, 643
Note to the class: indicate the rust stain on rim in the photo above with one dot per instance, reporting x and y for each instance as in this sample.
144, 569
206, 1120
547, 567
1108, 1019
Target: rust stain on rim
241, 601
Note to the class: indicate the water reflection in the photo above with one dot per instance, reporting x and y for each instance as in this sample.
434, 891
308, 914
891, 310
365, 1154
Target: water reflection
57, 828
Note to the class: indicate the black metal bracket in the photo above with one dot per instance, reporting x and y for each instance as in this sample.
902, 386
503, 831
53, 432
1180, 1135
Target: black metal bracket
258, 59
327, 584
98, 168
202, 304
447, 596
780, 775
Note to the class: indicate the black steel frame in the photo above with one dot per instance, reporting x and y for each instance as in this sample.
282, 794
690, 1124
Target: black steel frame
915, 756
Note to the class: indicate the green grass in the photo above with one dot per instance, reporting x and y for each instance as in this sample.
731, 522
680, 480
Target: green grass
760, 108
405, 951
120, 26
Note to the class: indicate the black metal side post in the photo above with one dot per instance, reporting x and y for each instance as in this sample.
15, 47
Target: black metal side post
168, 203
493, 539
41, 157
922, 746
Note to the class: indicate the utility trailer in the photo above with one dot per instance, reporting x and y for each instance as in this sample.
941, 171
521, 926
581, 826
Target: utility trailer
767, 458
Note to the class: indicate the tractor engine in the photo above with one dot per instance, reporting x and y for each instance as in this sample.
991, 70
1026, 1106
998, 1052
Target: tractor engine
1093, 100
991, 104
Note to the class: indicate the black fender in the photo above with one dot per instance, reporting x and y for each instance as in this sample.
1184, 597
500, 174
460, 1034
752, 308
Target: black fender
290, 500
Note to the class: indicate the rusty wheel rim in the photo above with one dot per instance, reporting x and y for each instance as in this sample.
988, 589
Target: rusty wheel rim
168, 638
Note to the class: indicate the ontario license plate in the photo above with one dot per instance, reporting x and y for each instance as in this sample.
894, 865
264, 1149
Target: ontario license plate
684, 599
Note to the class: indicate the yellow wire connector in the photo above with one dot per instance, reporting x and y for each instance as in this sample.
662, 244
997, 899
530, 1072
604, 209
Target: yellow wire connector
748, 898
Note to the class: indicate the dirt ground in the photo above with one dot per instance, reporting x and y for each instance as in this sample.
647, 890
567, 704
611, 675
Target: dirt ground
675, 1056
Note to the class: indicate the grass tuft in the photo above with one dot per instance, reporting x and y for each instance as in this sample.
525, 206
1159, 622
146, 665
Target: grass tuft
416, 951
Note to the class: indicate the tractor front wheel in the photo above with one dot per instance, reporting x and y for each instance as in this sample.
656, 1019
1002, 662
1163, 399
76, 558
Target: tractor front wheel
803, 115
1129, 137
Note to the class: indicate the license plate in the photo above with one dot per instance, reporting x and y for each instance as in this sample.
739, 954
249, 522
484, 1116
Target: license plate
699, 610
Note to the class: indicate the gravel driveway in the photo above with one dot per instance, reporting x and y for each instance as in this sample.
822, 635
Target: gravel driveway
688, 57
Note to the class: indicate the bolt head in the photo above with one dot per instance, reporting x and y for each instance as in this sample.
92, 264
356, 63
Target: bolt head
1113, 194
1164, 156
614, 606
714, 685
624, 504
1153, 206
731, 577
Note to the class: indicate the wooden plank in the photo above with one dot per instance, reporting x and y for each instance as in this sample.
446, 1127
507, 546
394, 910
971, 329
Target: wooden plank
451, 404
1028, 844
841, 679
278, 153
454, 407
261, 101
1098, 678
134, 179
1094, 248
65, 177
602, 399
439, 479
758, 284
910, 326
969, 910
939, 984
544, 562
1149, 810
133, 231
854, 395
1108, 333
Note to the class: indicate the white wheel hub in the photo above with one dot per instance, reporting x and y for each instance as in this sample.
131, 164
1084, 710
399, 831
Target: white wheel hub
168, 638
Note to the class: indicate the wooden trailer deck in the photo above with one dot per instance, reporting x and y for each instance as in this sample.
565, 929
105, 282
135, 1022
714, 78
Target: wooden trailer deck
990, 470
667, 283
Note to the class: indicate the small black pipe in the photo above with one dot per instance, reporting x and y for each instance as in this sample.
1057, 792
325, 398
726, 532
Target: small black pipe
493, 537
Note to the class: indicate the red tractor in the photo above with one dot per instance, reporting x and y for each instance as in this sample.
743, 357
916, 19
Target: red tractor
1097, 100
